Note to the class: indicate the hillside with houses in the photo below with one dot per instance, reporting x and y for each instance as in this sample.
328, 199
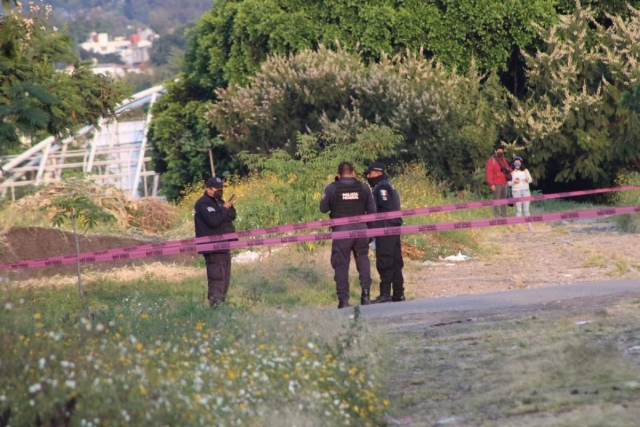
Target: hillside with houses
140, 42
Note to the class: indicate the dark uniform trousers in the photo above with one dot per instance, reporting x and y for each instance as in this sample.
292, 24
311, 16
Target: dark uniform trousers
218, 276
389, 264
341, 258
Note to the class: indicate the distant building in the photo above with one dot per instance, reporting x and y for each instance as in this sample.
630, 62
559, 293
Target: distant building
113, 70
133, 51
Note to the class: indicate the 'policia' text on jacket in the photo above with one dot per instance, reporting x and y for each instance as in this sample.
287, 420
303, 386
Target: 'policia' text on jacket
347, 197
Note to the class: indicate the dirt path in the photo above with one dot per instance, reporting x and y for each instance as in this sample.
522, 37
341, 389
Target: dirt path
571, 362
515, 258
574, 363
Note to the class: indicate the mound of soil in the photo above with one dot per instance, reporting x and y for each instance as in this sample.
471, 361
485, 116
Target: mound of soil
23, 243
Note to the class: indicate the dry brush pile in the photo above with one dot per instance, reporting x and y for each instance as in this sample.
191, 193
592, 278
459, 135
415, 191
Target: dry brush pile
148, 215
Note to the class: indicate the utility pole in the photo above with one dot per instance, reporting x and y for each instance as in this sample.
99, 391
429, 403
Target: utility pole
213, 168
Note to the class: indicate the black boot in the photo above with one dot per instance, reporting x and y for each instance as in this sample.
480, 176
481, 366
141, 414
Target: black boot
399, 298
365, 299
214, 304
381, 299
343, 304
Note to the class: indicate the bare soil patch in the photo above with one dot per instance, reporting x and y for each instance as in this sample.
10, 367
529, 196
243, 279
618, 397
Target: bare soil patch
515, 258
22, 243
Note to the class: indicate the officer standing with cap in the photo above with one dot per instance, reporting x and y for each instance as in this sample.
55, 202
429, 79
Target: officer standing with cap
388, 249
349, 197
213, 216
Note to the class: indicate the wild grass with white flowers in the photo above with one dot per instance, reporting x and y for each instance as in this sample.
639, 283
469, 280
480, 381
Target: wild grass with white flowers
151, 353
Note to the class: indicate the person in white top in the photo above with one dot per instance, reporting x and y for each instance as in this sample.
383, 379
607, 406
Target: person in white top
520, 179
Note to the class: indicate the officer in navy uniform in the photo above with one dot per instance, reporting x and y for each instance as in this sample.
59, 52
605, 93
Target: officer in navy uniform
388, 249
213, 216
349, 197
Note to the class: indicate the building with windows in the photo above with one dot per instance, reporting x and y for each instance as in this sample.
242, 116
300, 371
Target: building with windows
133, 50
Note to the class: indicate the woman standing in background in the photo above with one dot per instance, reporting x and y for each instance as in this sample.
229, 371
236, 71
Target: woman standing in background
520, 179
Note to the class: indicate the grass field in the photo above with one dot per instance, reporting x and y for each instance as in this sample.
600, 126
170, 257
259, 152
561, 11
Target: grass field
149, 352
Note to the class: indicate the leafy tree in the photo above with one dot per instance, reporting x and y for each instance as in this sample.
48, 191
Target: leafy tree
165, 47
81, 27
34, 98
579, 122
77, 208
448, 120
167, 54
600, 9
235, 37
182, 139
303, 175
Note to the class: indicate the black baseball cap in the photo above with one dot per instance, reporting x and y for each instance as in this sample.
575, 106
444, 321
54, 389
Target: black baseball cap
498, 146
375, 166
214, 182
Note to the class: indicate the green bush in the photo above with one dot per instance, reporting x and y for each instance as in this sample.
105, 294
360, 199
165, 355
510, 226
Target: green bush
274, 198
629, 223
447, 120
286, 189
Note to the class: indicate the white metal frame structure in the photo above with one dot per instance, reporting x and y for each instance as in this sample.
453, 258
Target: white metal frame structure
114, 154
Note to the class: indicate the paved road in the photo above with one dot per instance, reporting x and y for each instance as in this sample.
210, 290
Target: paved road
515, 298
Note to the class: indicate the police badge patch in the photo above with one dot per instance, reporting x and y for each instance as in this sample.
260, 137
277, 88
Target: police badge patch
210, 209
384, 194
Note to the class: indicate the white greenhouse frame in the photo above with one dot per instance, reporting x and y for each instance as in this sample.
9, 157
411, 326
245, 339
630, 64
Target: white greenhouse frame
115, 154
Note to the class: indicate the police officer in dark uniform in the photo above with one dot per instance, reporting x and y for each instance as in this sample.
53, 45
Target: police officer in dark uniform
389, 261
213, 216
349, 197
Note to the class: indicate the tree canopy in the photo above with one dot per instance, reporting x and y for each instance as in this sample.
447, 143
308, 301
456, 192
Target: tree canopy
579, 121
447, 120
35, 99
485, 46
235, 37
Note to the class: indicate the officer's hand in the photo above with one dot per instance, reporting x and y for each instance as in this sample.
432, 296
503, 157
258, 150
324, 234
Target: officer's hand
493, 188
228, 205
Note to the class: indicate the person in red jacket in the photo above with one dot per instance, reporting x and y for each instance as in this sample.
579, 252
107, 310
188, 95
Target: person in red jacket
498, 173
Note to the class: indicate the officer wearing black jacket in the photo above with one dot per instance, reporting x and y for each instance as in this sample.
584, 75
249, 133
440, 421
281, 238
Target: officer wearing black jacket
389, 261
349, 197
213, 216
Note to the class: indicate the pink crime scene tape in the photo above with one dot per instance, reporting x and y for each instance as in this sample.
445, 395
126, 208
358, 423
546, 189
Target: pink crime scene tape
140, 252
